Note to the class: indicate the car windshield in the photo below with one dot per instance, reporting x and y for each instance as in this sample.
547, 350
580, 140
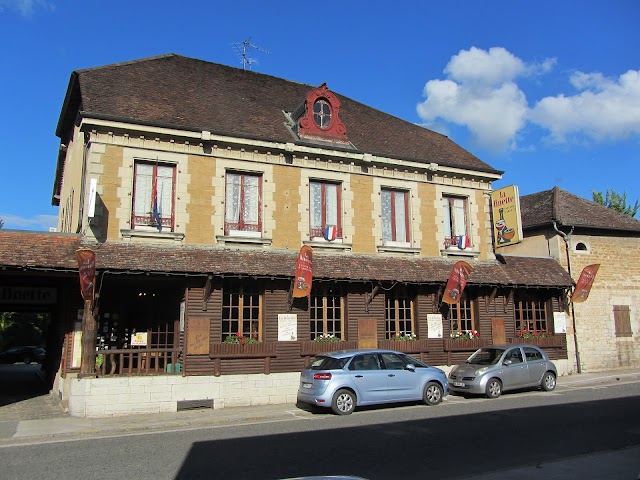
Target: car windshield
329, 363
486, 356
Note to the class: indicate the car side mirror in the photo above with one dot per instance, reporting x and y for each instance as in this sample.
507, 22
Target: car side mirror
507, 362
410, 367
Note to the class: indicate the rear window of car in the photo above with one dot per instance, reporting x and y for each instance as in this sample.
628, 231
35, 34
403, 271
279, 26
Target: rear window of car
329, 363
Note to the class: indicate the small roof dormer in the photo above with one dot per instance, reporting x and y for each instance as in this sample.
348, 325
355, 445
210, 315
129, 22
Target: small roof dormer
318, 118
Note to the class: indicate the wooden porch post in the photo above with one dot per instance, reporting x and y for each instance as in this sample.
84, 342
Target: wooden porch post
88, 361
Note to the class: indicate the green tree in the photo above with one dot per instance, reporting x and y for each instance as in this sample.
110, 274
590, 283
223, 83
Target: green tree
615, 201
1, 223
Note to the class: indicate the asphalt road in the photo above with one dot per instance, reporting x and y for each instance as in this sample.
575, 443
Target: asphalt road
458, 439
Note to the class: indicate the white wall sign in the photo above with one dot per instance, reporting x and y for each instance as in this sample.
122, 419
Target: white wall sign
434, 323
287, 327
560, 322
139, 339
77, 345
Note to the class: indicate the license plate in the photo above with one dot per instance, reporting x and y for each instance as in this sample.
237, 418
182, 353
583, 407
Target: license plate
306, 385
458, 384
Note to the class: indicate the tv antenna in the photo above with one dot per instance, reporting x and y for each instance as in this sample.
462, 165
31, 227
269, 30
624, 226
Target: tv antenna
243, 49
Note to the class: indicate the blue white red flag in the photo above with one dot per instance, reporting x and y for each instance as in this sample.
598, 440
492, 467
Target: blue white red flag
330, 233
463, 242
154, 203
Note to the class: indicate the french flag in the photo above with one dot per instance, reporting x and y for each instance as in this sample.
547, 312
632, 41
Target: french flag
330, 233
463, 242
154, 202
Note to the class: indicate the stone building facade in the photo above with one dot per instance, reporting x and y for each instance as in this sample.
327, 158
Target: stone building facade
607, 323
196, 185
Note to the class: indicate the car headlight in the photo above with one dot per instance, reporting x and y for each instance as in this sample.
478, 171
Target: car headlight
480, 371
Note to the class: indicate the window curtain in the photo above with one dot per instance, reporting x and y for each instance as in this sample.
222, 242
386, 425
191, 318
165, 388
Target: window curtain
144, 183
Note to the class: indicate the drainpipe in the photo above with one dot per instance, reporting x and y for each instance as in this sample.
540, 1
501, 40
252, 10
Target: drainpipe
567, 238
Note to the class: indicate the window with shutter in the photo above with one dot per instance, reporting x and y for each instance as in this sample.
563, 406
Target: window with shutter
622, 319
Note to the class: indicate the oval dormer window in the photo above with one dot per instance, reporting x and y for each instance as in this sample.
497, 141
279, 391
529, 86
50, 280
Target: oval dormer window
322, 113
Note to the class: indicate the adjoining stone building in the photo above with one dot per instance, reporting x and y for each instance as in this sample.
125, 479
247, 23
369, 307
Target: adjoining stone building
197, 184
577, 233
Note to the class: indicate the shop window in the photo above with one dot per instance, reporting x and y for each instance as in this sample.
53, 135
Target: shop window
243, 204
241, 310
395, 215
153, 194
398, 313
622, 318
324, 212
454, 211
325, 312
462, 316
531, 316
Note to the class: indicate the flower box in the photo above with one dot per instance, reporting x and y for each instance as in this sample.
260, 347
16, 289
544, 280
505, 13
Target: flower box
552, 341
460, 345
313, 348
412, 346
236, 350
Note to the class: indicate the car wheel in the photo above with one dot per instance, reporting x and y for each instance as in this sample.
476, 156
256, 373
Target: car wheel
27, 360
432, 394
343, 402
494, 388
548, 382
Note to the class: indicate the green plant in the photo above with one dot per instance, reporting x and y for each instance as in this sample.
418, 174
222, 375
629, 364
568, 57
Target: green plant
532, 333
465, 335
99, 360
404, 337
326, 338
239, 338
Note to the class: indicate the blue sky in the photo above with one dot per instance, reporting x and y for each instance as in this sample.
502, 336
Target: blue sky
548, 91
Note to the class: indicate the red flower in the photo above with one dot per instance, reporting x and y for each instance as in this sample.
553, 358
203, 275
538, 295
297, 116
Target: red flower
239, 334
242, 341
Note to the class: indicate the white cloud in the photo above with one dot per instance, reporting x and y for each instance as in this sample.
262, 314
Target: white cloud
605, 109
38, 222
26, 7
481, 93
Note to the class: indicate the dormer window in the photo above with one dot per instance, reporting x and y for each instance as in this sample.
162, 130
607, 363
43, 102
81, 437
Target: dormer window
322, 113
317, 119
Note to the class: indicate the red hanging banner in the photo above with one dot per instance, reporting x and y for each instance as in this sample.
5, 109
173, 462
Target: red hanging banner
585, 282
456, 283
87, 269
304, 273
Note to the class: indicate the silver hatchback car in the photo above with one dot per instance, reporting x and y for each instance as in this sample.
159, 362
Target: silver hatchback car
498, 368
345, 379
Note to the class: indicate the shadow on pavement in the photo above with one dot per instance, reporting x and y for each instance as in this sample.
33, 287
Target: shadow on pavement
24, 394
440, 447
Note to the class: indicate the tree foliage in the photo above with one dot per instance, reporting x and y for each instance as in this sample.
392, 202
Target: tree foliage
22, 328
615, 201
1, 223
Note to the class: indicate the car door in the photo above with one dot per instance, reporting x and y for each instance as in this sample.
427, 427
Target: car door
536, 364
515, 374
369, 380
402, 384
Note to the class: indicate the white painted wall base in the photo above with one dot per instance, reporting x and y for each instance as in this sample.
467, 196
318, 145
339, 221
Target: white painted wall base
118, 396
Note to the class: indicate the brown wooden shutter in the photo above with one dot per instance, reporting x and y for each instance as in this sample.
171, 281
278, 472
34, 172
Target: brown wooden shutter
622, 320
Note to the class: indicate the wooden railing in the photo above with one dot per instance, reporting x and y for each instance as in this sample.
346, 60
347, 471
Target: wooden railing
129, 361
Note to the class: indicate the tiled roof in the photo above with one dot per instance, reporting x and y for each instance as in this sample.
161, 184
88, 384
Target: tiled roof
186, 93
44, 250
566, 209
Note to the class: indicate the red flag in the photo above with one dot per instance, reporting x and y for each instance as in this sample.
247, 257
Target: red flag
583, 287
304, 272
87, 269
456, 283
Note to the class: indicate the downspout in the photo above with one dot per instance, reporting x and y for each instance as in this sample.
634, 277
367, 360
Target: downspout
567, 238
